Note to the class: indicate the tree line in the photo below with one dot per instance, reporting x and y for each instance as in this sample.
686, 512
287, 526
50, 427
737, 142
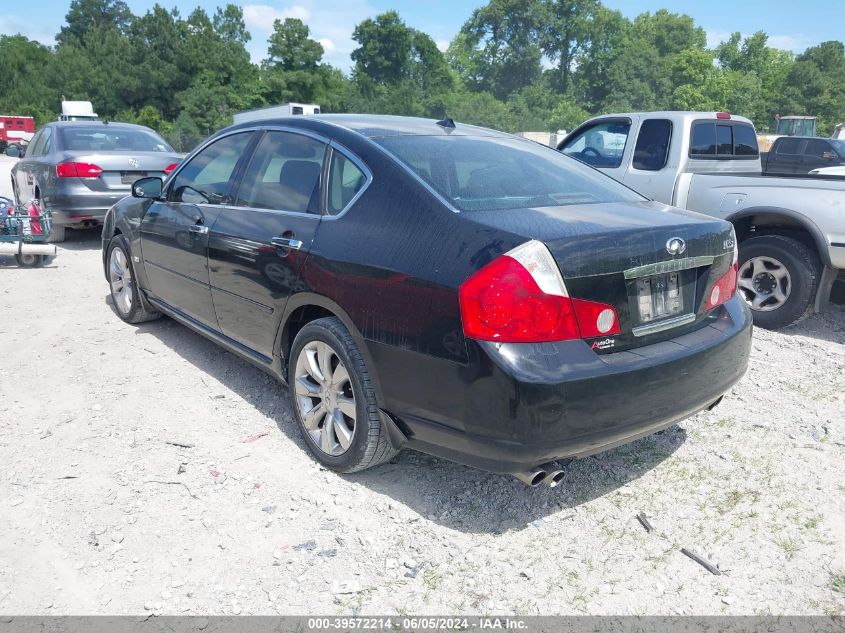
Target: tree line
515, 65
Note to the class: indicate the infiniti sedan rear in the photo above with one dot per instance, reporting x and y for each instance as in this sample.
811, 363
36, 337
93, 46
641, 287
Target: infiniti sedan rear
440, 287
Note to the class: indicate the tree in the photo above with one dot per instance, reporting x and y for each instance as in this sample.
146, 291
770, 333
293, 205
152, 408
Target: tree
567, 34
291, 47
500, 45
815, 85
384, 48
88, 15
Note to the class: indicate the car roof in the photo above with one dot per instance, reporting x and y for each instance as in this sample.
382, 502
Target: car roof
106, 124
377, 125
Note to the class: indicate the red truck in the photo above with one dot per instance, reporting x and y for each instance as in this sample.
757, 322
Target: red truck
15, 130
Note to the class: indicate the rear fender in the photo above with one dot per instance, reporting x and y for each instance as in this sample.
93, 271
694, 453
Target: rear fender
780, 217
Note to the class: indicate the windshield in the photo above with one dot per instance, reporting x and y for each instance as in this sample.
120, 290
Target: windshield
103, 139
482, 173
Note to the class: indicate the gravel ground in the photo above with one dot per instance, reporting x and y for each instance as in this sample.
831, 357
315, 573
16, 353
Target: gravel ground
142, 469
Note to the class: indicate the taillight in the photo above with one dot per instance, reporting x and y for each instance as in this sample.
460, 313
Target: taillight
170, 168
723, 115
725, 286
77, 170
520, 297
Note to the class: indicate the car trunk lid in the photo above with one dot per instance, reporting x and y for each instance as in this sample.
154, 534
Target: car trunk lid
121, 169
653, 263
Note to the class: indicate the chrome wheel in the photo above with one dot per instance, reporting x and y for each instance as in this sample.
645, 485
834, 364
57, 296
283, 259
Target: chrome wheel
325, 398
120, 278
765, 283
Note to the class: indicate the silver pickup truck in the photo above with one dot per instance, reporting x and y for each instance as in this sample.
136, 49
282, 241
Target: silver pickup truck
791, 230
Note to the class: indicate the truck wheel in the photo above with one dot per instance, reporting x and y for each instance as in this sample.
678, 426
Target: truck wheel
334, 401
778, 277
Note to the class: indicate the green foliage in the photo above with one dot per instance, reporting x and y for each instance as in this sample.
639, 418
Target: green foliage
516, 65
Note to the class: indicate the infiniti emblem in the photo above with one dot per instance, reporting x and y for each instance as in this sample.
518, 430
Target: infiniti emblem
676, 246
133, 162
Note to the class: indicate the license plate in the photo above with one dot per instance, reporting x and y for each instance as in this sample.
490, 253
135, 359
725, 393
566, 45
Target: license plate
659, 296
127, 178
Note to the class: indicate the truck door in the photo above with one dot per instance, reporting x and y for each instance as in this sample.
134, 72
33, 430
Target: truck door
650, 174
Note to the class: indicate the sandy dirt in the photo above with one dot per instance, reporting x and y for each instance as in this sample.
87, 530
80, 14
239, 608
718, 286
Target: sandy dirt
145, 470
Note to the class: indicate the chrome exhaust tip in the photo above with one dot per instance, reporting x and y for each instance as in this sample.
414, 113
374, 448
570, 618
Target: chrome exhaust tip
554, 474
532, 477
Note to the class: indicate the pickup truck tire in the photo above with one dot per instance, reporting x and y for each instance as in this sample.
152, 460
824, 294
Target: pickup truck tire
771, 254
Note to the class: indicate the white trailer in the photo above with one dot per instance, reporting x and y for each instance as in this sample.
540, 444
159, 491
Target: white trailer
77, 111
273, 112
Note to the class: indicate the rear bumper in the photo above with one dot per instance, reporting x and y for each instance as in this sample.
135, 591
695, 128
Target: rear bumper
529, 404
73, 203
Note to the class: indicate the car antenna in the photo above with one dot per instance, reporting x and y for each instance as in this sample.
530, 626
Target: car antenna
447, 123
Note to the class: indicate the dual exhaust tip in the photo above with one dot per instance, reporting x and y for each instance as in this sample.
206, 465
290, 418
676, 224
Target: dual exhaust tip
550, 474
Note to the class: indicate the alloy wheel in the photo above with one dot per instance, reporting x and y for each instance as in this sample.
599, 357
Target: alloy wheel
765, 283
325, 398
120, 279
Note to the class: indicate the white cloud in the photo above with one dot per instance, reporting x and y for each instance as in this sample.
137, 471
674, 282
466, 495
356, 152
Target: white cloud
10, 25
443, 45
796, 43
331, 23
260, 17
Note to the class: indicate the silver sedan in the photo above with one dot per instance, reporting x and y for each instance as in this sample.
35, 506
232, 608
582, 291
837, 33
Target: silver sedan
79, 169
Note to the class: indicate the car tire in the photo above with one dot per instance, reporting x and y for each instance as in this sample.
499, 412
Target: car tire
125, 296
57, 234
27, 260
775, 266
329, 344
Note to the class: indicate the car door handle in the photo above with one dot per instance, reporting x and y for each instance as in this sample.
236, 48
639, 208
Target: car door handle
198, 228
286, 242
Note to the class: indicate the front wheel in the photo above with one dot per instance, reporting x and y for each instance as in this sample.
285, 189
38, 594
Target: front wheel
778, 277
334, 400
124, 291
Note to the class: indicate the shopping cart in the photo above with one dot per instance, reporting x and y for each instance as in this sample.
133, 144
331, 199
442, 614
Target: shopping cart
24, 233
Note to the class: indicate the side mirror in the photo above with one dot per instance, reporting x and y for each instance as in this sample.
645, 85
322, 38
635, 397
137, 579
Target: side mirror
149, 188
13, 151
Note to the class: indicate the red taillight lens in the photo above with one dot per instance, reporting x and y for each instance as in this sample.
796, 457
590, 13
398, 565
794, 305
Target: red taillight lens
77, 170
170, 168
521, 298
595, 319
723, 289
725, 286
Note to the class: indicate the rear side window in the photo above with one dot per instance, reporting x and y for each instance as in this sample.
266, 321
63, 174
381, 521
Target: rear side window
718, 140
345, 181
652, 149
284, 174
788, 146
817, 148
205, 179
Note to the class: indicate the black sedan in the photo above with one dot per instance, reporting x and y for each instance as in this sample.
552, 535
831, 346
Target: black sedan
436, 286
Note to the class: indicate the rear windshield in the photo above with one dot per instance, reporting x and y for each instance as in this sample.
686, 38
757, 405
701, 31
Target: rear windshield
104, 139
480, 173
723, 139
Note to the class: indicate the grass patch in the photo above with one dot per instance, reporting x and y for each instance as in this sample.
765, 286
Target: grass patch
837, 583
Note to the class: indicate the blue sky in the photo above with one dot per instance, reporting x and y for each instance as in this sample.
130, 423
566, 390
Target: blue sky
792, 24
